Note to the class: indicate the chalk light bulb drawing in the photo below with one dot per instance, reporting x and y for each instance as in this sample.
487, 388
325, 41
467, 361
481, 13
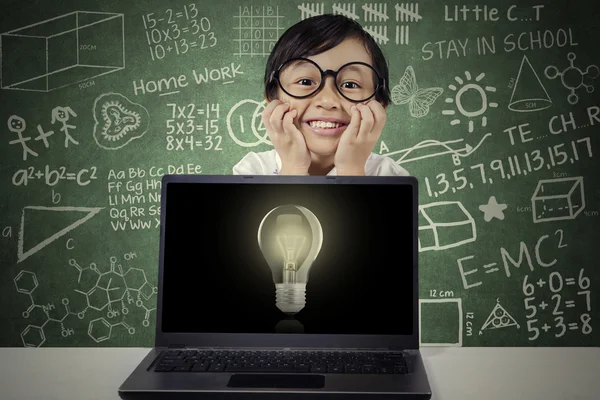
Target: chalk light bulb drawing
290, 238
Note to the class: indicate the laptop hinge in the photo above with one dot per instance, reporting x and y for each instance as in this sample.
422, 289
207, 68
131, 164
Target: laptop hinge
176, 346
396, 348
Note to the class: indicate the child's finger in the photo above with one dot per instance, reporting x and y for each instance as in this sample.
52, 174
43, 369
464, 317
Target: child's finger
352, 129
267, 112
277, 117
288, 125
379, 115
271, 106
366, 120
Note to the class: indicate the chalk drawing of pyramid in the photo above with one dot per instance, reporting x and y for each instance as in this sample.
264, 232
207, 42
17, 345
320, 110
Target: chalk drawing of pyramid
49, 216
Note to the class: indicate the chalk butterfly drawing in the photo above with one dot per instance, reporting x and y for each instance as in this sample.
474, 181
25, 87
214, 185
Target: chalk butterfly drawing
419, 100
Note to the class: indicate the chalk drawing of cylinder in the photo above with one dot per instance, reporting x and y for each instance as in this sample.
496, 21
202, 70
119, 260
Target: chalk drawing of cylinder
448, 224
558, 199
62, 51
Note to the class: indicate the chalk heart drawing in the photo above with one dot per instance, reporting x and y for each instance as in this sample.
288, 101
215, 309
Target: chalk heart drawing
407, 91
118, 121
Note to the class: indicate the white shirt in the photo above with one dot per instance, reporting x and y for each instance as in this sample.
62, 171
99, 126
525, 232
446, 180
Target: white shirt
268, 163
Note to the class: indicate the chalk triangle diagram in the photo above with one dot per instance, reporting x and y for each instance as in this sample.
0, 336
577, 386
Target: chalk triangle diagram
498, 318
528, 93
55, 220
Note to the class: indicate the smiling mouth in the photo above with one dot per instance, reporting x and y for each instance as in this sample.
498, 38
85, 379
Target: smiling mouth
325, 125
322, 128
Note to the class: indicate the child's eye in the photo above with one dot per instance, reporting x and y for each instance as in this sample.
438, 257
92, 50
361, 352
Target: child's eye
305, 82
350, 85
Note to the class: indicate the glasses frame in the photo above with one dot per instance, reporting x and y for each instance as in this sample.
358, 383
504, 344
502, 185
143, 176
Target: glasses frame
380, 80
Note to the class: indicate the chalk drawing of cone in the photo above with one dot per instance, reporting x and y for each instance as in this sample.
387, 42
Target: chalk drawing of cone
528, 92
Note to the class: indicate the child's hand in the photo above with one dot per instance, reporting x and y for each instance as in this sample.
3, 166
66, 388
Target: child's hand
287, 139
359, 138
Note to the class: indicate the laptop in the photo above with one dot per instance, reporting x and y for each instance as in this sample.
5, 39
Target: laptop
285, 287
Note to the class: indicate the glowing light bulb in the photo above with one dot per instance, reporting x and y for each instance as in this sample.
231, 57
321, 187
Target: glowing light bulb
290, 238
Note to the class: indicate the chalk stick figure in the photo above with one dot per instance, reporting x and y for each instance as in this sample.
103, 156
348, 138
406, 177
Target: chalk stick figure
17, 125
62, 114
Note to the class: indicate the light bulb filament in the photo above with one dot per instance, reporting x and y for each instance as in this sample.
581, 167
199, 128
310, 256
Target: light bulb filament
290, 246
290, 266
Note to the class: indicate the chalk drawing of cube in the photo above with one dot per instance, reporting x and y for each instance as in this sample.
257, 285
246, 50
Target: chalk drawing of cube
558, 199
440, 322
447, 224
62, 51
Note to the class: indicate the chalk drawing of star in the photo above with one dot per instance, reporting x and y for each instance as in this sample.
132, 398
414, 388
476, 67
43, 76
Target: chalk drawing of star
492, 209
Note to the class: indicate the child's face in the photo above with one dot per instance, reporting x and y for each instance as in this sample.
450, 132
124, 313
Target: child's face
327, 102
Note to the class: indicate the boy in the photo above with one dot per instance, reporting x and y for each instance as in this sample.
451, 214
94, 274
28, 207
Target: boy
322, 125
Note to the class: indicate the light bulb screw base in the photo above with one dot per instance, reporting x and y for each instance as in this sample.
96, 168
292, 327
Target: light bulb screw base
290, 297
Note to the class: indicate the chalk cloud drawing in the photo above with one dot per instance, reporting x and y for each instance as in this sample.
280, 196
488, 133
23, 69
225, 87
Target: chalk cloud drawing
469, 89
118, 121
498, 318
558, 199
407, 91
448, 224
573, 77
492, 209
63, 51
23, 254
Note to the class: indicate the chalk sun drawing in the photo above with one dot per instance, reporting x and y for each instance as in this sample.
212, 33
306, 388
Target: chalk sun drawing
466, 90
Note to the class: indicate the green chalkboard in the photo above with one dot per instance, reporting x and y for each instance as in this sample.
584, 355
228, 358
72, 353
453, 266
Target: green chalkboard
100, 98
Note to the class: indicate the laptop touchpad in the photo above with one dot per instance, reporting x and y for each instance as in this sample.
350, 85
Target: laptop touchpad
293, 381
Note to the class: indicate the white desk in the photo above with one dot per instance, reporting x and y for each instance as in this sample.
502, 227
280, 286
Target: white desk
454, 373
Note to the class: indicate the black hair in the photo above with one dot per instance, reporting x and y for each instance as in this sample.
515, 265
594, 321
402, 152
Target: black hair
316, 35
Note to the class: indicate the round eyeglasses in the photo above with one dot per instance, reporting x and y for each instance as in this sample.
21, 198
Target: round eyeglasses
300, 78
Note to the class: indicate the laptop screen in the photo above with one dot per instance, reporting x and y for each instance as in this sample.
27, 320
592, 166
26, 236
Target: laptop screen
294, 258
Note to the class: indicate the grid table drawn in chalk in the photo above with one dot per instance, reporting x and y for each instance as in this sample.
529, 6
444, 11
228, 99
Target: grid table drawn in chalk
62, 51
258, 30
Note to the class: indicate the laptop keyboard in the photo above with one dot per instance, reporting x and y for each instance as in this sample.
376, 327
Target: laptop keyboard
301, 361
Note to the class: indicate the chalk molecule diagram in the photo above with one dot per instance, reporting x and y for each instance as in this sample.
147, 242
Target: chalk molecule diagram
573, 77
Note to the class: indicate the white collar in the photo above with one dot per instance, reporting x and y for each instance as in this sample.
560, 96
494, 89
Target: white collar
333, 171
